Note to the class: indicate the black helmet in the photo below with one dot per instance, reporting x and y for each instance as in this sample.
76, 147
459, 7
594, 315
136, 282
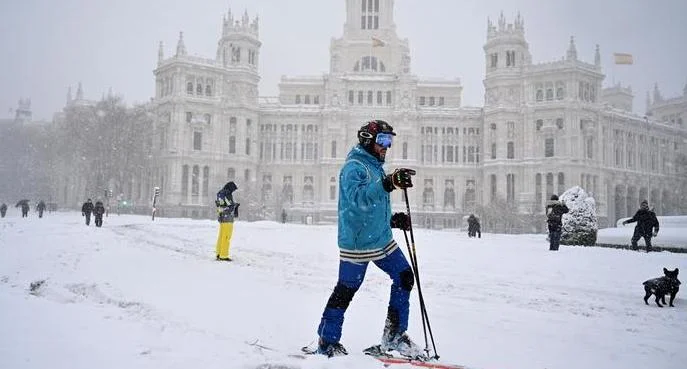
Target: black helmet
554, 197
367, 134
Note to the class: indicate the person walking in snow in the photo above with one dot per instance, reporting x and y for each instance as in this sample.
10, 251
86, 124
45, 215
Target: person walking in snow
227, 211
86, 210
3, 209
554, 219
364, 236
40, 207
474, 227
98, 211
646, 221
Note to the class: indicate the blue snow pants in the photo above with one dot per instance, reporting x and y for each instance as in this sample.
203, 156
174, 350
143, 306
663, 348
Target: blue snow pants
351, 276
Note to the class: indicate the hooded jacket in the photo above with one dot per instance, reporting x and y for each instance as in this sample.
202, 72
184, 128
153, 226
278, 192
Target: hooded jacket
227, 209
364, 230
646, 220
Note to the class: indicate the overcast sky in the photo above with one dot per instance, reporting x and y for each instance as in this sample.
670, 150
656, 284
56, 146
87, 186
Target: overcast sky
49, 45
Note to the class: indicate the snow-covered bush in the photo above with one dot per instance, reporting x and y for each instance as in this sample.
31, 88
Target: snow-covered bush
580, 224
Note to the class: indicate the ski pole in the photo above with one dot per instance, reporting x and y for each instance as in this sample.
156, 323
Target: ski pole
423, 308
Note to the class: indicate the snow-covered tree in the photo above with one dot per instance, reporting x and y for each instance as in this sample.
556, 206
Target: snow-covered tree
580, 224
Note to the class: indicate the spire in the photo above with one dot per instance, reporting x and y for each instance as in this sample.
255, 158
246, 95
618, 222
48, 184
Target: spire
572, 50
181, 48
657, 93
79, 92
597, 57
160, 53
502, 22
648, 101
69, 94
244, 19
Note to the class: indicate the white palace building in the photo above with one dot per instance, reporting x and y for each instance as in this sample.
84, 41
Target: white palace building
543, 128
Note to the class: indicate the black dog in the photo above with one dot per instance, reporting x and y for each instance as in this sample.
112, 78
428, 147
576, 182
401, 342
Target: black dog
662, 286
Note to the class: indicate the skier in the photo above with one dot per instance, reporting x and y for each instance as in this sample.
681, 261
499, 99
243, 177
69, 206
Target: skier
646, 221
86, 210
364, 235
227, 210
3, 209
554, 218
474, 227
98, 211
40, 208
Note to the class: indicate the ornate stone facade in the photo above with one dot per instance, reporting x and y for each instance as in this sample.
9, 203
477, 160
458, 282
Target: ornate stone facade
543, 128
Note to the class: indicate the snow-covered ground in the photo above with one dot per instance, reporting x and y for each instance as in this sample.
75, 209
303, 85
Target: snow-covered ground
142, 294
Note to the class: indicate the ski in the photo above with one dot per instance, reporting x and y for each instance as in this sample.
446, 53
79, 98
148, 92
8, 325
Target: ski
389, 360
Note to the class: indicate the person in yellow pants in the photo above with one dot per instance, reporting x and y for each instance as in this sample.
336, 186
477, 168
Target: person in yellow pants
227, 211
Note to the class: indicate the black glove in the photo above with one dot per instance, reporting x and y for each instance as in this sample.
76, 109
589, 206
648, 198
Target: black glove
400, 178
400, 221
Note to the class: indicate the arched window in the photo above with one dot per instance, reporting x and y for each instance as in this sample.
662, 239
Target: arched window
199, 90
189, 88
184, 180
208, 90
206, 180
195, 180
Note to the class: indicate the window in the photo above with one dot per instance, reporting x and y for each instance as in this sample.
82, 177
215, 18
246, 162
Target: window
369, 97
360, 97
560, 91
206, 180
561, 182
380, 99
298, 99
493, 151
232, 144
548, 148
307, 99
208, 90
199, 89
559, 123
441, 101
231, 174
208, 118
189, 88
492, 182
494, 60
316, 100
333, 149
332, 189
195, 181
247, 146
510, 188
510, 58
549, 185
540, 124
351, 97
184, 180
388, 97
197, 141
431, 101
511, 150
308, 189
189, 117
537, 189
422, 100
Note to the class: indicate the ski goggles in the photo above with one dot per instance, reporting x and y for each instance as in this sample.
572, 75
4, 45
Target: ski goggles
384, 139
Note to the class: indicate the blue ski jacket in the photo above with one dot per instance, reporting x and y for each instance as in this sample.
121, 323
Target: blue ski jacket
364, 209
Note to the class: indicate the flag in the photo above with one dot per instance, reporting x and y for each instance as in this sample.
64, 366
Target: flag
377, 42
622, 58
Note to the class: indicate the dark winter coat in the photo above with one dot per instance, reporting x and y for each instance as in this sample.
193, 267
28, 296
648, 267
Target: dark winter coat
554, 214
227, 209
473, 224
87, 208
646, 221
98, 209
40, 206
3, 207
